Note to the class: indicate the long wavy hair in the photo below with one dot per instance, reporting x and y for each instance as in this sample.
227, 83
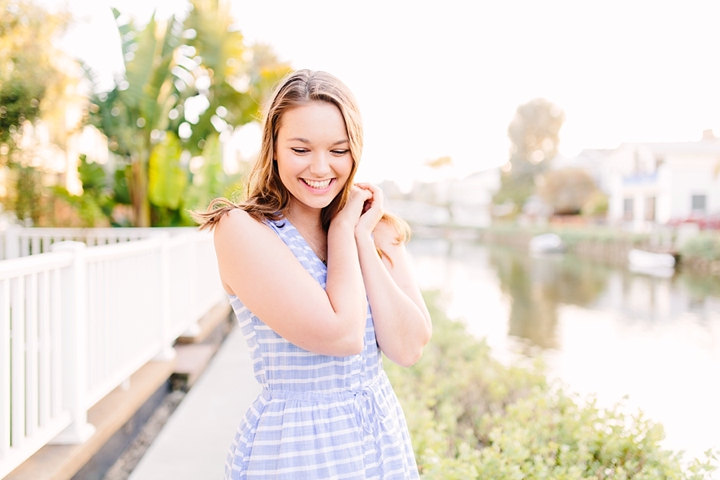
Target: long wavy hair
267, 198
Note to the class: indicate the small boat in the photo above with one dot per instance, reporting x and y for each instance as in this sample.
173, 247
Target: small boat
643, 259
649, 263
546, 243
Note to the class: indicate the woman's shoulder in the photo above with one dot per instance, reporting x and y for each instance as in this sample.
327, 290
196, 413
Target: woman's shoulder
238, 216
239, 225
235, 218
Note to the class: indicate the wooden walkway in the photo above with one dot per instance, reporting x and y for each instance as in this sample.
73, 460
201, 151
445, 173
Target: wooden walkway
194, 442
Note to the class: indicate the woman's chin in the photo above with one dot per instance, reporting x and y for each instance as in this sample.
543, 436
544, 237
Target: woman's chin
314, 203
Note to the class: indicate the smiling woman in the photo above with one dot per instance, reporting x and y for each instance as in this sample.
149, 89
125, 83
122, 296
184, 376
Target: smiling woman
316, 303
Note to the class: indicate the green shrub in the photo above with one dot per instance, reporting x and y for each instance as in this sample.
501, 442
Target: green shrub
473, 417
704, 246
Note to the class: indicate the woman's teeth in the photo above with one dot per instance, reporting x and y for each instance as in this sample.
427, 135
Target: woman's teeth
315, 184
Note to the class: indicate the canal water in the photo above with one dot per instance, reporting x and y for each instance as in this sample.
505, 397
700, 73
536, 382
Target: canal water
602, 330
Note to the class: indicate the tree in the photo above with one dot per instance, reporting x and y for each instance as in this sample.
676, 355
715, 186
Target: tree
440, 162
534, 136
186, 83
567, 190
32, 83
94, 207
27, 69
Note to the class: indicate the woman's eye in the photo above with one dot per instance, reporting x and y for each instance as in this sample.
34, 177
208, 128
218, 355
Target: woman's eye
300, 150
339, 152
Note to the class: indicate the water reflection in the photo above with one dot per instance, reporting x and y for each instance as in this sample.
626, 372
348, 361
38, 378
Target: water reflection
535, 287
602, 329
538, 285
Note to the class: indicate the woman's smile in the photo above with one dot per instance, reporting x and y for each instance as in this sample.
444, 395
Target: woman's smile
318, 184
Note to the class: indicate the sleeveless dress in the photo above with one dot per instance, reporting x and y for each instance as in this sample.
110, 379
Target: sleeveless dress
318, 416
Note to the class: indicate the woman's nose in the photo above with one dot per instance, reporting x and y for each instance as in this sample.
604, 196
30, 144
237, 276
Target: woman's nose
320, 165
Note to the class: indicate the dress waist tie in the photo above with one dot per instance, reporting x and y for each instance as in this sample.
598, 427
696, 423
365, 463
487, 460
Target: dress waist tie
368, 410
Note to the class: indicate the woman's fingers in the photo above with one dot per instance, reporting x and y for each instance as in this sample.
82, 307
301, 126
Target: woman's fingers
364, 205
377, 196
372, 209
373, 189
355, 203
359, 194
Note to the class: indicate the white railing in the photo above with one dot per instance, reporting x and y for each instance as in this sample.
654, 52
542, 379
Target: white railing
77, 321
32, 411
17, 242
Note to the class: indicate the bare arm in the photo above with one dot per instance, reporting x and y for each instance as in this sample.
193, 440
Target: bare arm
258, 267
402, 322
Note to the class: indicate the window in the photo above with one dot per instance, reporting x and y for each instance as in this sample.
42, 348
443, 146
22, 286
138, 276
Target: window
698, 203
659, 162
628, 207
650, 209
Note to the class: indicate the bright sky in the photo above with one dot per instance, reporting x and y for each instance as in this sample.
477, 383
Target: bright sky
445, 77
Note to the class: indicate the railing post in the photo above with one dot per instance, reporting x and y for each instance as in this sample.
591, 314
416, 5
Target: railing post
12, 242
193, 329
74, 346
167, 351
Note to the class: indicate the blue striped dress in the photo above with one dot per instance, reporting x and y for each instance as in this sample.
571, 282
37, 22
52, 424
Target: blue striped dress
317, 417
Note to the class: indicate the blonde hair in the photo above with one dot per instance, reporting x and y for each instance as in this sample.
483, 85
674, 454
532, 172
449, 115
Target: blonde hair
267, 198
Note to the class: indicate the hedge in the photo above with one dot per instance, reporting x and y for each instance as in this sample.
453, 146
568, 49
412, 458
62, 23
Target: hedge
472, 417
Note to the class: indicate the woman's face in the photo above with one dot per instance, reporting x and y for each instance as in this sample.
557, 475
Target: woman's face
313, 154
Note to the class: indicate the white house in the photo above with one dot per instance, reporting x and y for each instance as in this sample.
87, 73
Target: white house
654, 183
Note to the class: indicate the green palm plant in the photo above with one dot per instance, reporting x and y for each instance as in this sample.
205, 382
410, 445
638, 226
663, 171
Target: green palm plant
186, 83
135, 114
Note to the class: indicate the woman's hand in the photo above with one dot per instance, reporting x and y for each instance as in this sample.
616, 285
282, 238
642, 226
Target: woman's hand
372, 210
353, 209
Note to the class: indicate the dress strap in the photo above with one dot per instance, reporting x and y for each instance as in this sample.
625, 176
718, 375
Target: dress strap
278, 226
